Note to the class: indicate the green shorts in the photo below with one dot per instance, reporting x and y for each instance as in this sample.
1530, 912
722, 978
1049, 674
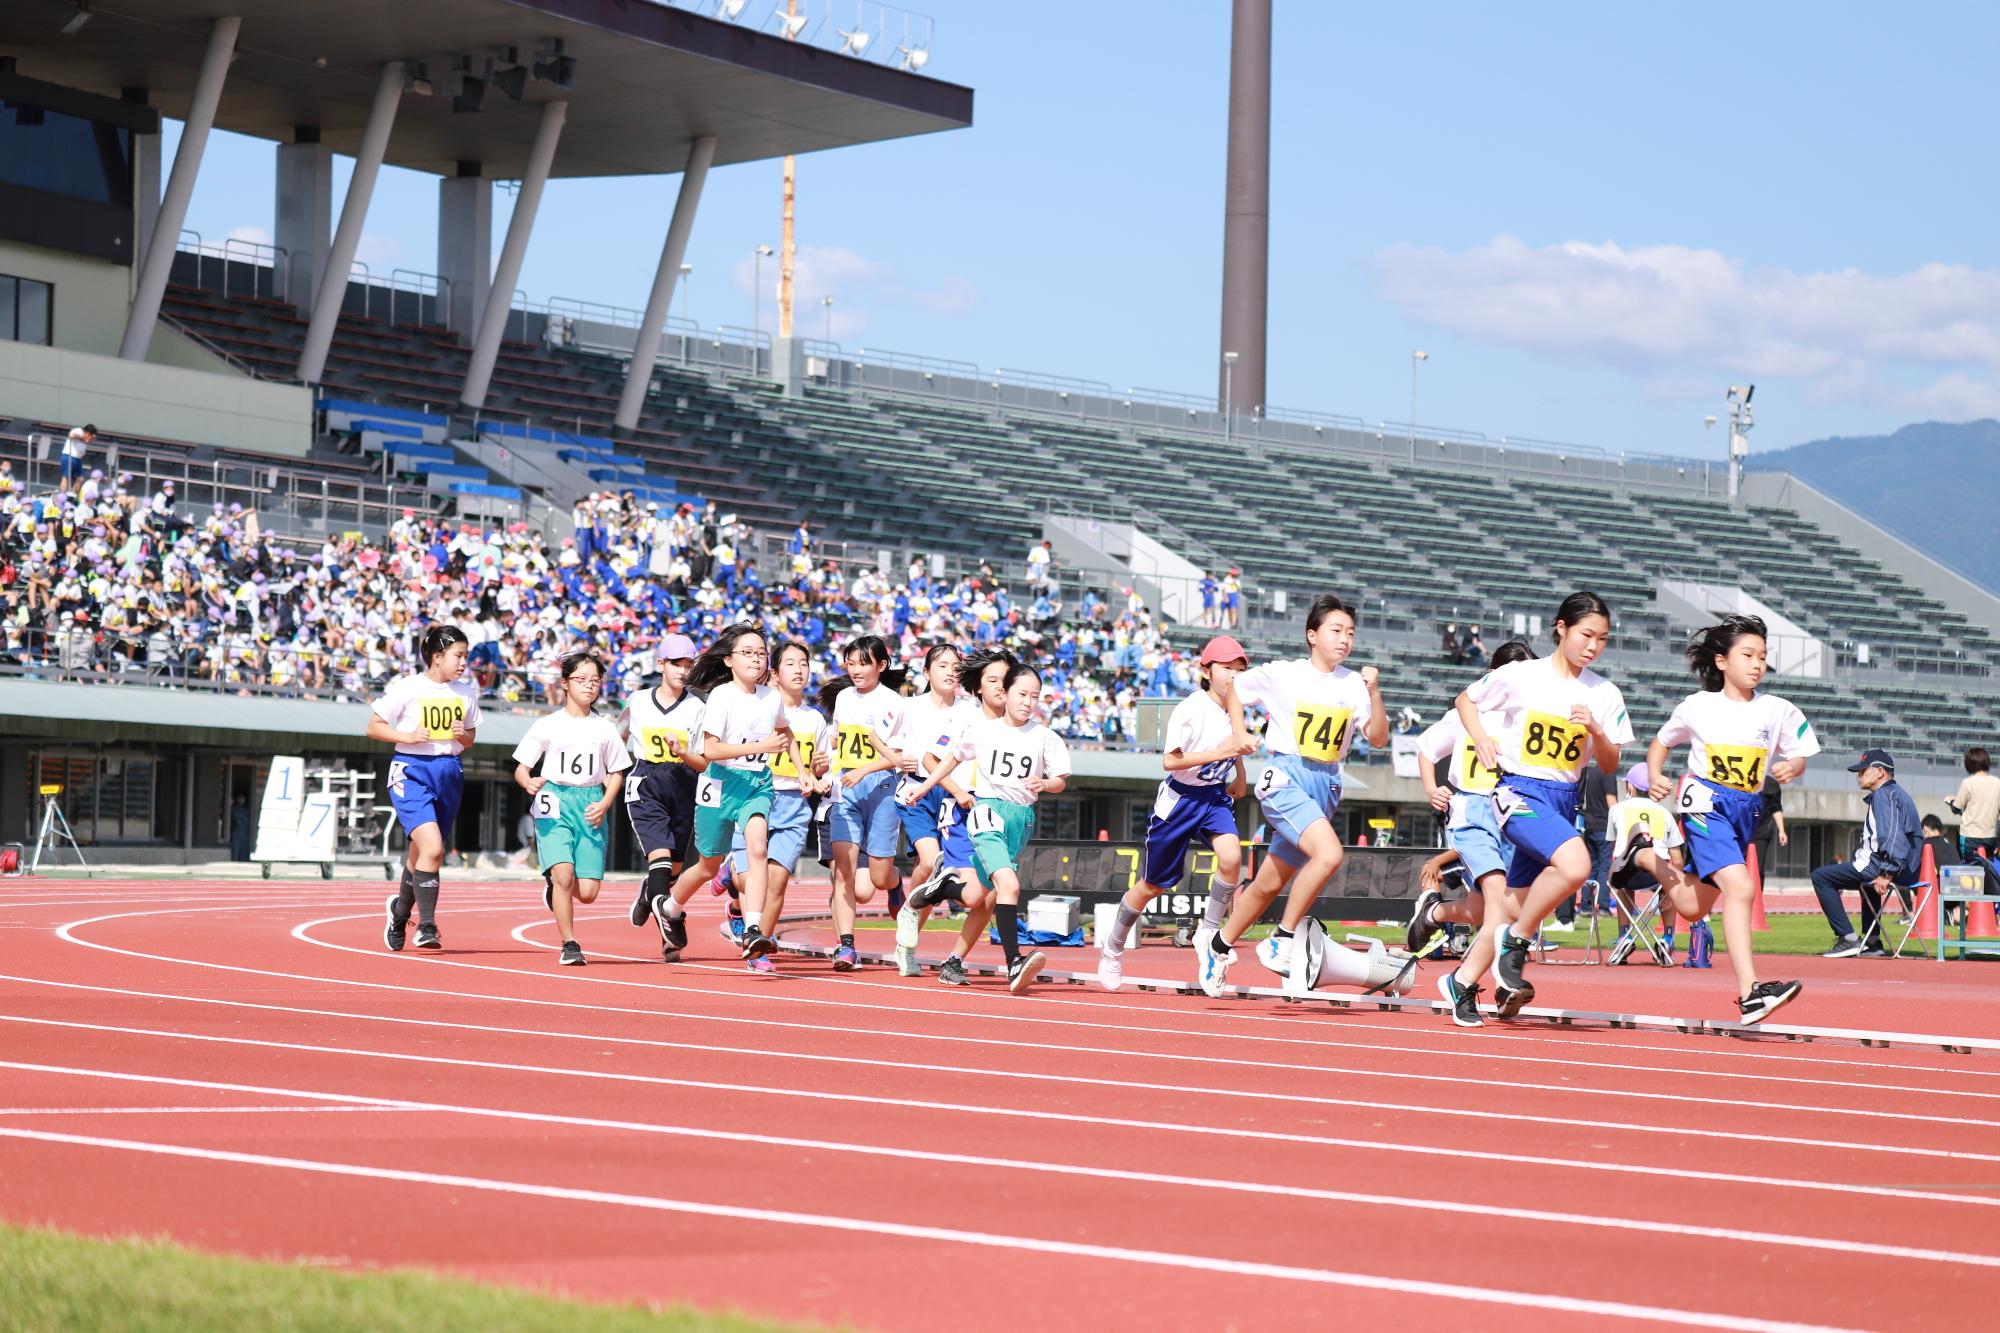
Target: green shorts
564, 837
726, 799
1000, 829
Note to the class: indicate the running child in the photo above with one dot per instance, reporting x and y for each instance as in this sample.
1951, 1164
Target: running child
1735, 735
660, 725
1197, 799
583, 763
1555, 715
742, 725
867, 717
792, 789
431, 717
1472, 838
1315, 705
932, 719
1019, 761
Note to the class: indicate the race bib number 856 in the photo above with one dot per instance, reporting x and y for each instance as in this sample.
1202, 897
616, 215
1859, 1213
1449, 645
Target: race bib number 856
1548, 741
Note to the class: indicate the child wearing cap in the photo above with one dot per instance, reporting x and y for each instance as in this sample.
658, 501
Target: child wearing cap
1196, 803
658, 724
1635, 820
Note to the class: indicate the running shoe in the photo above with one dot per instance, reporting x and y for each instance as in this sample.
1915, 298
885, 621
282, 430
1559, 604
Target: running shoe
1844, 947
909, 926
393, 930
1766, 998
932, 891
427, 938
907, 964
762, 965
1421, 930
1626, 866
1662, 950
1622, 950
845, 959
1110, 968
756, 944
1463, 999
1199, 940
1275, 953
673, 929
952, 972
731, 927
1510, 959
1021, 973
572, 954
1508, 1001
715, 884
548, 892
1213, 971
642, 906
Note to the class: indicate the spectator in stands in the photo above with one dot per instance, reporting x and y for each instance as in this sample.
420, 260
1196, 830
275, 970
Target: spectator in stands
75, 449
1977, 805
1475, 647
1770, 827
1888, 857
1208, 588
1449, 643
1039, 557
1232, 598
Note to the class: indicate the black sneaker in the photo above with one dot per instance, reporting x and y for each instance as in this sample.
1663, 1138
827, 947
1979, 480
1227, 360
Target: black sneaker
1022, 972
1463, 999
756, 943
427, 938
952, 972
1873, 949
1508, 1001
926, 894
1844, 947
642, 906
393, 930
1421, 930
1766, 998
548, 891
1510, 958
572, 954
673, 929
1626, 866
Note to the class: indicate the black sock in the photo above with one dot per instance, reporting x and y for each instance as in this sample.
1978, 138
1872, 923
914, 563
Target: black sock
847, 941
425, 883
950, 889
1008, 917
406, 893
1216, 944
1281, 933
659, 879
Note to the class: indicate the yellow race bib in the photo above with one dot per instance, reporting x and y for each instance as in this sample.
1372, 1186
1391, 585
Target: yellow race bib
1469, 775
437, 716
854, 745
1548, 741
1738, 766
781, 762
653, 744
1321, 731
1652, 816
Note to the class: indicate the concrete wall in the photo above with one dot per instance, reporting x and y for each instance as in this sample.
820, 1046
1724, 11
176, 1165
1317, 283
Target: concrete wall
120, 397
92, 296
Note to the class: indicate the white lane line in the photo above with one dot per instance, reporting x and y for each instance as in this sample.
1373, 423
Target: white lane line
167, 1110
1067, 1248
961, 1109
1096, 1171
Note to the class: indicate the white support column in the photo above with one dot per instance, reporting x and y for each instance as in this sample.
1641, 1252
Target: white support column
465, 247
493, 323
646, 348
152, 284
353, 214
145, 197
303, 212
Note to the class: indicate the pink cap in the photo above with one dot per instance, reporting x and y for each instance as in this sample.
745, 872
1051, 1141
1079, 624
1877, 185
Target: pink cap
1223, 648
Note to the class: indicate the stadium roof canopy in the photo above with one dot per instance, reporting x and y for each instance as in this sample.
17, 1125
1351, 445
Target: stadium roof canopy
648, 78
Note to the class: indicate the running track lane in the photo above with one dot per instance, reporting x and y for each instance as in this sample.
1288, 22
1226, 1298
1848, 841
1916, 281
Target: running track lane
1361, 1210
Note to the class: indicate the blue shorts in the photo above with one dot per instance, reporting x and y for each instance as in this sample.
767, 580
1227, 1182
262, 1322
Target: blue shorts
955, 842
1296, 793
1183, 814
865, 815
784, 833
1474, 833
425, 789
920, 821
1716, 838
72, 467
1539, 817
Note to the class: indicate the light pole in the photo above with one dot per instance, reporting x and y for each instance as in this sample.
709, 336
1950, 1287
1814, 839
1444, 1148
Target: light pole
1414, 358
827, 301
1228, 394
687, 271
757, 287
1707, 431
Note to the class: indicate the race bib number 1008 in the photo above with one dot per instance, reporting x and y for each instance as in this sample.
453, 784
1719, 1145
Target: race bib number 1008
437, 716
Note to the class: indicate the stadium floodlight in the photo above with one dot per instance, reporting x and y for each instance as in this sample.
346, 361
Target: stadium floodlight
914, 58
552, 66
827, 301
79, 20
729, 9
1415, 357
854, 41
791, 25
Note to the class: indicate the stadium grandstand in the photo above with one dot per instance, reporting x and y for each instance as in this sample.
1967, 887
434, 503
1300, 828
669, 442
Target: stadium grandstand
297, 475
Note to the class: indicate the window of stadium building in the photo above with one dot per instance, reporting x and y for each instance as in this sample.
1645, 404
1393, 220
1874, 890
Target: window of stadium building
106, 797
65, 155
27, 311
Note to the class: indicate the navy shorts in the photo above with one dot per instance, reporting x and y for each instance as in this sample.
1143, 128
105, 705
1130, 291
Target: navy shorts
426, 789
1716, 836
1183, 814
1536, 817
659, 802
955, 841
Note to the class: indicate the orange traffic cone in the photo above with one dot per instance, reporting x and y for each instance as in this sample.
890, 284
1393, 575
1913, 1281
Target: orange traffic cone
1104, 835
1980, 920
1757, 918
1932, 927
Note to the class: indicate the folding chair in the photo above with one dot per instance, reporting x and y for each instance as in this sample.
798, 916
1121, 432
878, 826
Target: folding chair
1916, 913
1642, 924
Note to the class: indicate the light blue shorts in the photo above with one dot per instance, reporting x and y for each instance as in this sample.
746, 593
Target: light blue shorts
1475, 835
785, 835
866, 815
1297, 793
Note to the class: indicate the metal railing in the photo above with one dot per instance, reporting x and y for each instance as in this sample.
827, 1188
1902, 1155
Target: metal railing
236, 250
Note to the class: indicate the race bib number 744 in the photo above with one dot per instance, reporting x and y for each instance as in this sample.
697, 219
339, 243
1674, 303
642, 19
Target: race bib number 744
1321, 731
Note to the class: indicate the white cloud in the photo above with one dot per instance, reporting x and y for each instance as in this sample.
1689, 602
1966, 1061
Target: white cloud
1666, 311
858, 285
954, 296
250, 232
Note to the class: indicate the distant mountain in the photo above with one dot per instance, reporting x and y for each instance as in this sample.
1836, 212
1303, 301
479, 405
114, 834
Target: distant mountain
1936, 485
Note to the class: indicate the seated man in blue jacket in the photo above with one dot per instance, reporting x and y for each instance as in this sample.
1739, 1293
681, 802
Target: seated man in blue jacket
1891, 851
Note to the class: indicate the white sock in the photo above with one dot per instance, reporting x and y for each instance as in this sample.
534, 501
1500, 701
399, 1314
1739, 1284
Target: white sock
674, 910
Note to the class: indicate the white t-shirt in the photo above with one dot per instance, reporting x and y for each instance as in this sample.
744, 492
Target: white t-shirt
809, 725
1314, 714
574, 751
76, 445
1536, 739
416, 702
1733, 742
736, 718
1007, 756
1446, 739
855, 714
647, 726
1637, 812
1199, 723
927, 724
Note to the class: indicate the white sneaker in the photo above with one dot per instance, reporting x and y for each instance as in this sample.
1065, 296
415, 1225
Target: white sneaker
1110, 969
1276, 954
1202, 935
909, 929
907, 964
1212, 971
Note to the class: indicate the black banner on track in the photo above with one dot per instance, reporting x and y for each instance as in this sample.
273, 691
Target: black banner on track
1375, 883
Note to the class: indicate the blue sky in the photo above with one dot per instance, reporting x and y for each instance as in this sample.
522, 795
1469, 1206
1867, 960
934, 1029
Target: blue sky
1593, 217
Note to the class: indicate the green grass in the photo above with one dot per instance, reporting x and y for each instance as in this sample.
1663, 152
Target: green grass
56, 1282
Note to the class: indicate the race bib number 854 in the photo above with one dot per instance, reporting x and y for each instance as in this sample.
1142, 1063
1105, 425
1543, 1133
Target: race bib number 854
1738, 766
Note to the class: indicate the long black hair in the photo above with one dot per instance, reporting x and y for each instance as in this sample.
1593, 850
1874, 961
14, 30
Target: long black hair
973, 665
1716, 641
435, 640
876, 649
1574, 608
712, 667
1510, 652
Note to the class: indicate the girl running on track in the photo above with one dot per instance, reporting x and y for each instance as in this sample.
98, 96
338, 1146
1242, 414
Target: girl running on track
583, 763
1554, 715
1472, 835
792, 790
660, 725
867, 717
983, 676
932, 720
1315, 705
431, 717
1196, 803
1735, 735
1019, 760
742, 726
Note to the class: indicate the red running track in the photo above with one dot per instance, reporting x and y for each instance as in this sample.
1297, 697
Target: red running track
244, 1068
